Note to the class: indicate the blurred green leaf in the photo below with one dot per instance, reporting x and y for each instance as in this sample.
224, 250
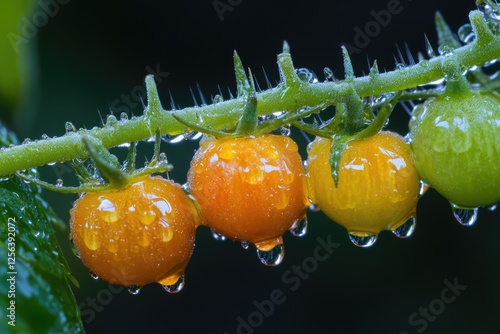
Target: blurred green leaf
44, 302
17, 53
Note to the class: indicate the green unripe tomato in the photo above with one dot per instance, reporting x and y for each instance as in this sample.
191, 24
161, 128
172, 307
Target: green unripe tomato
455, 139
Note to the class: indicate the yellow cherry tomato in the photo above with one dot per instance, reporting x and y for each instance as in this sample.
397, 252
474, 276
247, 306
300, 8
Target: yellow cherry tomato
378, 184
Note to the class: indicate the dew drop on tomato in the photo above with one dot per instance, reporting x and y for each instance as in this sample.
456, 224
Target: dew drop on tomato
299, 228
362, 241
406, 229
465, 216
173, 283
134, 289
271, 252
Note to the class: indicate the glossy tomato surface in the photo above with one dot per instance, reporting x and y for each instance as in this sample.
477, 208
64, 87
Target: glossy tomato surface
455, 139
141, 234
378, 184
249, 189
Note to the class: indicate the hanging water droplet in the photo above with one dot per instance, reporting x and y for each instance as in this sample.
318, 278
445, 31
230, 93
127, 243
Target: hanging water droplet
93, 275
466, 34
70, 128
286, 130
406, 229
363, 241
172, 139
299, 229
245, 244
176, 287
465, 216
217, 236
271, 253
123, 116
59, 183
218, 99
188, 134
134, 289
328, 73
492, 207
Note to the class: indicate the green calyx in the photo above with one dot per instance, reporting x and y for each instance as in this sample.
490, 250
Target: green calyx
110, 174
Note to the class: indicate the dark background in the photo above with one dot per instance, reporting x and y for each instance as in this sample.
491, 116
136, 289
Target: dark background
92, 52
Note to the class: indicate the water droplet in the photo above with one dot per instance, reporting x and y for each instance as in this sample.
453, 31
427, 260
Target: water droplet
406, 229
299, 229
328, 74
218, 99
123, 116
245, 244
217, 236
466, 34
271, 252
59, 183
93, 275
465, 216
45, 136
314, 208
70, 128
173, 139
306, 75
111, 120
192, 135
445, 50
175, 287
362, 241
134, 289
286, 130
492, 207
26, 141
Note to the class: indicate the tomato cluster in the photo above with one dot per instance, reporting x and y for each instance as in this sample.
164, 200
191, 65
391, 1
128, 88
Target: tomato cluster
254, 188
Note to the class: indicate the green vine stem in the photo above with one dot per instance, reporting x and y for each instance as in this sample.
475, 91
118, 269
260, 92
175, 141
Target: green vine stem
291, 95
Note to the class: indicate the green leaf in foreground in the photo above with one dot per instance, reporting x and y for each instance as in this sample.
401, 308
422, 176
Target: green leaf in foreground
37, 279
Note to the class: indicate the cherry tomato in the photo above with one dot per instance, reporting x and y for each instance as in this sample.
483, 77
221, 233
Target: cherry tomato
249, 189
455, 139
378, 184
141, 234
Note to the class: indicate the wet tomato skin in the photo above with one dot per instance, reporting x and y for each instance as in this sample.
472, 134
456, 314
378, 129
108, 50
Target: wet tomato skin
378, 184
251, 188
455, 139
141, 234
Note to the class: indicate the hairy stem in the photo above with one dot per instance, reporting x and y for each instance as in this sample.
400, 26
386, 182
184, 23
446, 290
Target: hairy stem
288, 96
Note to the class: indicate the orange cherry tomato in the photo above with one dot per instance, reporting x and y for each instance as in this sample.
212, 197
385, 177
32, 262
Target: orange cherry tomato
250, 189
141, 234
